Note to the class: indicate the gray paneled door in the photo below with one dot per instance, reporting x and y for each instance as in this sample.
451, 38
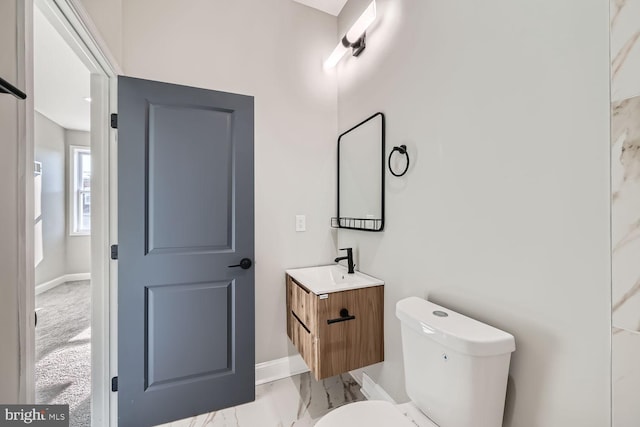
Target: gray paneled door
186, 332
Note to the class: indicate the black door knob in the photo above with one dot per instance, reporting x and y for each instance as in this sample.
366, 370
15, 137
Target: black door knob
245, 264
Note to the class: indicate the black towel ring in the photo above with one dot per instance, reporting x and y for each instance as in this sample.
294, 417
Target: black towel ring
402, 150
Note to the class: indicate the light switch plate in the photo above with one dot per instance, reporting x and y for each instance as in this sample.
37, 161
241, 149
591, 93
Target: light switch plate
301, 223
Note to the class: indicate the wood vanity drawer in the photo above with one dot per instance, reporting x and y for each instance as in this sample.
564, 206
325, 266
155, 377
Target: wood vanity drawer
345, 345
304, 341
330, 340
302, 303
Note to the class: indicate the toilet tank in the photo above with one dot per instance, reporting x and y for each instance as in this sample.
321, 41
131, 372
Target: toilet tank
455, 367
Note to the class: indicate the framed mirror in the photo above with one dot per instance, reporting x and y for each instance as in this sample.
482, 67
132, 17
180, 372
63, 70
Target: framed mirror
361, 176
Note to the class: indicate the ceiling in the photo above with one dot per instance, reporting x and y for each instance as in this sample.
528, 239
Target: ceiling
332, 7
61, 80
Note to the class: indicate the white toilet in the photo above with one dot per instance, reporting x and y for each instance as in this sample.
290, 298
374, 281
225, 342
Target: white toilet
455, 373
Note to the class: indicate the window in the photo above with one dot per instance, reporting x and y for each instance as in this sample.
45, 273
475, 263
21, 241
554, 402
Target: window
80, 195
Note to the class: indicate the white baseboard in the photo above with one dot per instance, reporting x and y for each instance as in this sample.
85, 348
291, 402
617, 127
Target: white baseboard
373, 391
60, 280
280, 368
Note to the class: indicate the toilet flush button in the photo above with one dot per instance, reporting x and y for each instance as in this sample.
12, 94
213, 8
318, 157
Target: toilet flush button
440, 313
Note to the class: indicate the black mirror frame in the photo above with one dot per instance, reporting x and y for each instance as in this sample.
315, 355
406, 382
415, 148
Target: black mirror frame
382, 168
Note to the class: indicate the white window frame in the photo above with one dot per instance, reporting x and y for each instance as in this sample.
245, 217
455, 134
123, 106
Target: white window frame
73, 199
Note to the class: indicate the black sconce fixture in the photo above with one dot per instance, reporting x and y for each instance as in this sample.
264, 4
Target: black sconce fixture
356, 33
357, 46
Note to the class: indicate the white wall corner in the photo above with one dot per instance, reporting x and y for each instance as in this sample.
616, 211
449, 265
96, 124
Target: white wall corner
373, 391
278, 369
43, 287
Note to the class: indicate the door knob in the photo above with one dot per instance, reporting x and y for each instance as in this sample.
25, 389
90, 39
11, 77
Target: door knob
245, 263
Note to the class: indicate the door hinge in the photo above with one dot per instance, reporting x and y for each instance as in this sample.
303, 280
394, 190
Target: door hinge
114, 121
114, 384
114, 251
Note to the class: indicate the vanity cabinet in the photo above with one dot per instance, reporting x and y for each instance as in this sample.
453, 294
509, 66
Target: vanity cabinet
335, 332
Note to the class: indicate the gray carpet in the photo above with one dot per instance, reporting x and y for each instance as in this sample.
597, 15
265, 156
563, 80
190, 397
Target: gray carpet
63, 350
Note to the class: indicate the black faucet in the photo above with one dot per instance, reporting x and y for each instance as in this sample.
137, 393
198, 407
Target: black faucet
349, 259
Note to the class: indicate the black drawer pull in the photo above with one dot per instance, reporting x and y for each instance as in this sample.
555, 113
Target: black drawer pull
301, 322
344, 316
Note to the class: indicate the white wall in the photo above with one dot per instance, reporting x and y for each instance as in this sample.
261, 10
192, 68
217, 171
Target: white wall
272, 50
50, 149
78, 247
9, 362
16, 213
63, 253
504, 213
106, 15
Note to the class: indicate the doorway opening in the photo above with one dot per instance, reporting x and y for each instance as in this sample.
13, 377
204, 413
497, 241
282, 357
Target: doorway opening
74, 92
62, 228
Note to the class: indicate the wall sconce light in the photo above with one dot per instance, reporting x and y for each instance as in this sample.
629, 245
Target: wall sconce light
355, 37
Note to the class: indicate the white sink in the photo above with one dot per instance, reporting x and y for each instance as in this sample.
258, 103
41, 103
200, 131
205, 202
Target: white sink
331, 278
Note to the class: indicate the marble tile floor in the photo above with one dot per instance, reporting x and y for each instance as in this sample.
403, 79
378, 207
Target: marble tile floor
298, 401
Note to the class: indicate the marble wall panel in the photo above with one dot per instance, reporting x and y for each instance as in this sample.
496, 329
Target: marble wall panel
625, 49
625, 212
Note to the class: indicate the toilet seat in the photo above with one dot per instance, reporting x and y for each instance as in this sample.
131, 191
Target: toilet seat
370, 413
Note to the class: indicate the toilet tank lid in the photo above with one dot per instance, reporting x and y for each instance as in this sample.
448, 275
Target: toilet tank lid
453, 330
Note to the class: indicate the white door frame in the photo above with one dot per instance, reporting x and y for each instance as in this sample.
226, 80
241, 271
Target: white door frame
75, 25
